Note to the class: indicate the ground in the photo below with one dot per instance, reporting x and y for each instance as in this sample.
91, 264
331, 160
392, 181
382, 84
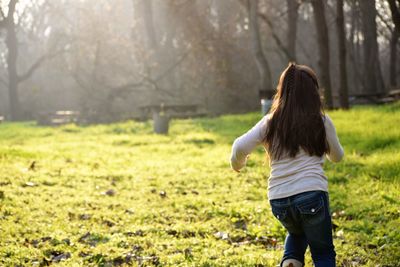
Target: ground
117, 194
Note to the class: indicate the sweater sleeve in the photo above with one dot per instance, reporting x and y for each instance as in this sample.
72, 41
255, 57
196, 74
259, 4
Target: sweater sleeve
246, 143
335, 148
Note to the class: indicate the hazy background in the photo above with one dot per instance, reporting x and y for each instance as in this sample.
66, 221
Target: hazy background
108, 57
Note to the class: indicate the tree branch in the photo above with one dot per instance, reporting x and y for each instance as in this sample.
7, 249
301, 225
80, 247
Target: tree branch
173, 66
37, 64
278, 41
274, 35
11, 9
2, 19
30, 71
122, 90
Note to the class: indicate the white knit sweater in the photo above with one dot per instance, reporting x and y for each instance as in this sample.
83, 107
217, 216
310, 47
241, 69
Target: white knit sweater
289, 176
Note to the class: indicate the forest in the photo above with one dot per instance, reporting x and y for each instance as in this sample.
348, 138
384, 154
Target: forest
105, 59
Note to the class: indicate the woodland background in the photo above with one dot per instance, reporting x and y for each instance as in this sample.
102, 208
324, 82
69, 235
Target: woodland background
105, 58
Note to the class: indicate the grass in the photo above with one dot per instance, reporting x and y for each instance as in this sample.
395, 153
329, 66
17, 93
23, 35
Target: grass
109, 195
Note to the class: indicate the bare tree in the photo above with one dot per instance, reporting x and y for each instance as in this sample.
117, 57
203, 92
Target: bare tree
8, 23
323, 45
373, 81
161, 62
147, 7
354, 46
343, 90
12, 56
293, 9
265, 85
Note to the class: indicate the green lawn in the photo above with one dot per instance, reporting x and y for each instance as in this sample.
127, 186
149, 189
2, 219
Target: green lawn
113, 194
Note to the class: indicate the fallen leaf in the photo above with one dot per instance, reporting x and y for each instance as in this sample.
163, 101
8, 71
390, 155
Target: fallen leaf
340, 233
83, 254
110, 192
129, 211
84, 217
60, 257
240, 224
118, 261
108, 223
172, 232
222, 235
32, 166
29, 184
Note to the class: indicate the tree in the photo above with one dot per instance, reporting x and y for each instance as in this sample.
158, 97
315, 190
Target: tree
293, 9
265, 85
343, 90
373, 81
354, 46
395, 10
8, 23
323, 47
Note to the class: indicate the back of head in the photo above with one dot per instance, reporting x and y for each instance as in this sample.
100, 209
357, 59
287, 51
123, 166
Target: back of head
296, 115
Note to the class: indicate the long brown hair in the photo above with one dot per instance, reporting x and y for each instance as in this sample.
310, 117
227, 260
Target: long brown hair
296, 115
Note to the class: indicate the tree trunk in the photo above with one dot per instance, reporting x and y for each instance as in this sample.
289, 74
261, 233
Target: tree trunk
12, 57
343, 89
162, 58
395, 10
149, 24
354, 47
265, 85
293, 8
323, 47
373, 81
393, 59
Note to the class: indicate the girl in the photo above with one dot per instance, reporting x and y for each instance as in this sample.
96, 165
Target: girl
296, 135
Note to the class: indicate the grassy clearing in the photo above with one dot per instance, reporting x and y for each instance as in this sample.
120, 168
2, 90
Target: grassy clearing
108, 195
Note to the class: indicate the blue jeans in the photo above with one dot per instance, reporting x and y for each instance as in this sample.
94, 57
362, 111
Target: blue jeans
307, 219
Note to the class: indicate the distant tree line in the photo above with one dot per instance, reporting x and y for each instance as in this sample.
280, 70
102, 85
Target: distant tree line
107, 58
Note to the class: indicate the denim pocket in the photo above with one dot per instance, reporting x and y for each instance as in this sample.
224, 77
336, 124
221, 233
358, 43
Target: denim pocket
279, 213
313, 211
282, 214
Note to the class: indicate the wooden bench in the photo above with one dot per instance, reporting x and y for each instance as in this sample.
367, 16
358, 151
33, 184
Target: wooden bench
395, 94
171, 110
392, 96
57, 118
378, 98
365, 98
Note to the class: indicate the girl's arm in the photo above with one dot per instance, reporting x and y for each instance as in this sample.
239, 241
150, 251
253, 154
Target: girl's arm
246, 143
335, 148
